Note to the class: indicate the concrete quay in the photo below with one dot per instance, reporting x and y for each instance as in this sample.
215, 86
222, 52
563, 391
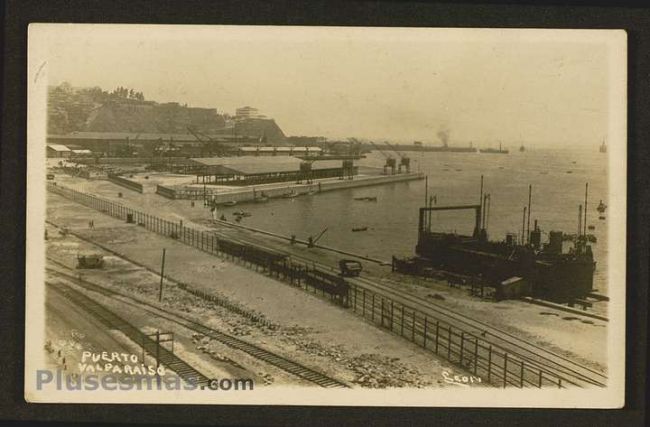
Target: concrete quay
277, 190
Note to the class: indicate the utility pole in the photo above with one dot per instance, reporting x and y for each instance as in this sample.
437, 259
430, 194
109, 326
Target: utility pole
162, 272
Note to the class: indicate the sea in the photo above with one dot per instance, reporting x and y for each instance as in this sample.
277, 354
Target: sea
558, 179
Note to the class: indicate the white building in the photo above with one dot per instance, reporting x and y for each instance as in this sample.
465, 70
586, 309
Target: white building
247, 113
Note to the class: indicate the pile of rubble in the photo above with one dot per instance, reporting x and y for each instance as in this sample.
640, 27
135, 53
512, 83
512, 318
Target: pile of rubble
377, 371
204, 344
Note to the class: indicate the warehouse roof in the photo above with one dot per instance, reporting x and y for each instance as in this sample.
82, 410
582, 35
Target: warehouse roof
58, 147
262, 165
279, 149
142, 136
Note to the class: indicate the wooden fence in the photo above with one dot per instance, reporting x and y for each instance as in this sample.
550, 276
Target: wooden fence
473, 353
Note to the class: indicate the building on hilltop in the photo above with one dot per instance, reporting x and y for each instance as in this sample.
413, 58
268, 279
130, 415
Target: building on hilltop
247, 112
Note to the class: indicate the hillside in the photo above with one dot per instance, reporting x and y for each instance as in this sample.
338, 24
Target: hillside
266, 128
125, 110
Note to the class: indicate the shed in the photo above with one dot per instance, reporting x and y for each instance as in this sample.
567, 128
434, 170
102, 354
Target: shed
58, 150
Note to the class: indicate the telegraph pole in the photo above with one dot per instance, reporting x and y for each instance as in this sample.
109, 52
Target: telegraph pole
162, 272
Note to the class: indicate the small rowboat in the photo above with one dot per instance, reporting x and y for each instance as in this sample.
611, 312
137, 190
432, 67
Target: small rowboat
290, 195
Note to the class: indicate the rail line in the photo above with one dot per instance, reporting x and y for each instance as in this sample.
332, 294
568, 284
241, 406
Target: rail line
552, 363
113, 321
548, 360
267, 356
556, 366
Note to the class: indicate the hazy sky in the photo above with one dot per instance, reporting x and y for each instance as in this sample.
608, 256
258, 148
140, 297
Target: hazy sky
540, 88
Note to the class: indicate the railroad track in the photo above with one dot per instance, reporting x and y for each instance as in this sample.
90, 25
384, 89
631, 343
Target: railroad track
564, 368
560, 366
113, 321
568, 370
257, 352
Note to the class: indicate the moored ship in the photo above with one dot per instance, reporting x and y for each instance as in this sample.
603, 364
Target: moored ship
494, 150
514, 267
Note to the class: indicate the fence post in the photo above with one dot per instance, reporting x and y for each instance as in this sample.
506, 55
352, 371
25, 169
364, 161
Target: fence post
540, 378
373, 307
364, 302
521, 375
475, 355
413, 326
505, 368
489, 372
402, 322
437, 332
462, 347
424, 341
449, 344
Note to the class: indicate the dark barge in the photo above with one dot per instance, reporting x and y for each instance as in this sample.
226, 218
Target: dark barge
514, 267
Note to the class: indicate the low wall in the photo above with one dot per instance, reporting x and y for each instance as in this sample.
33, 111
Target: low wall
126, 183
129, 160
168, 192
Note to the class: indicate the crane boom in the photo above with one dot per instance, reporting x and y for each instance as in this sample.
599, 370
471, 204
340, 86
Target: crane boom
394, 149
209, 141
320, 235
380, 150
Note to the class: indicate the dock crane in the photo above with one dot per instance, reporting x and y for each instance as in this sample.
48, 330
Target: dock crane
403, 159
354, 149
311, 241
390, 160
207, 141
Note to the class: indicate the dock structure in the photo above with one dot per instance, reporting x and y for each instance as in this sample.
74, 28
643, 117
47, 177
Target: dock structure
251, 193
241, 171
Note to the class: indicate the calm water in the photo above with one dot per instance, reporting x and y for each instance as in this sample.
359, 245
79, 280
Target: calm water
455, 179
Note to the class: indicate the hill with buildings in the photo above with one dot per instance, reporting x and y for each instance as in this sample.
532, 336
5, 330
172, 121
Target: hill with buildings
125, 110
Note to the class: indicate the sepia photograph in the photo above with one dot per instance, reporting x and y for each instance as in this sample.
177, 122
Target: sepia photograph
326, 215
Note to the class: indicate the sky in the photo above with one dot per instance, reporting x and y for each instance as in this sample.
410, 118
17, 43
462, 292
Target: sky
539, 88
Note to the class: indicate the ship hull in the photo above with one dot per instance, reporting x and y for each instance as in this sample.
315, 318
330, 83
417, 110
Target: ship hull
556, 277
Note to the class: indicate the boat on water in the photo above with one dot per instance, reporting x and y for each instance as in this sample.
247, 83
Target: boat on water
241, 213
532, 267
230, 203
366, 199
357, 229
447, 149
290, 195
500, 150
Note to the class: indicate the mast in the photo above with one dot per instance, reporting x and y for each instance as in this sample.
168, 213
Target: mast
523, 227
530, 194
579, 221
487, 220
585, 221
